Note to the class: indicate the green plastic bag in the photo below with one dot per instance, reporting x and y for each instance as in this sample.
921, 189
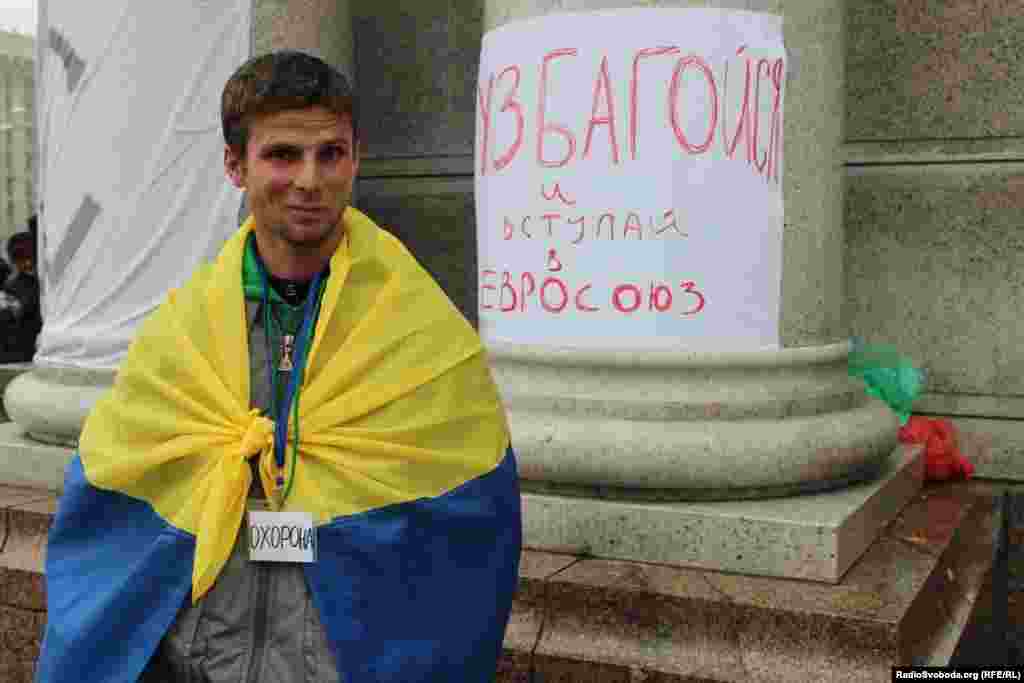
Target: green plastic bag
887, 375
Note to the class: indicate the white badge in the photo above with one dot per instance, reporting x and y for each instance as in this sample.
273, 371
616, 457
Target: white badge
281, 537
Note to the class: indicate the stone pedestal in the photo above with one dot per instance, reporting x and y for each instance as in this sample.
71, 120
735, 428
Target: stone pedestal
919, 592
816, 537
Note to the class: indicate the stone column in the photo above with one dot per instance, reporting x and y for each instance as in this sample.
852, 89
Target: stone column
50, 404
320, 27
674, 426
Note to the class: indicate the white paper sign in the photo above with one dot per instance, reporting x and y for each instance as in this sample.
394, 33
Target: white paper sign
628, 172
281, 537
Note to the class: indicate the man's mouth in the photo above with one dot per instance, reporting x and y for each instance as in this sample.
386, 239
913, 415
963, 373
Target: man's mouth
307, 210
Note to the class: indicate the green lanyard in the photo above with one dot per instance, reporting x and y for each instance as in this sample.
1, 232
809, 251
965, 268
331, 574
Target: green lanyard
311, 310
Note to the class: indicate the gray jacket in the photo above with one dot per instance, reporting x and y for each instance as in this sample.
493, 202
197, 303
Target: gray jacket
257, 624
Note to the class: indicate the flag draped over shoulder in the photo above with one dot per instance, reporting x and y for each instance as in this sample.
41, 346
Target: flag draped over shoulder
403, 461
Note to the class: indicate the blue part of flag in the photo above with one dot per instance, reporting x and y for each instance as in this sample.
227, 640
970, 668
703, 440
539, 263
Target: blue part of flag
428, 584
116, 576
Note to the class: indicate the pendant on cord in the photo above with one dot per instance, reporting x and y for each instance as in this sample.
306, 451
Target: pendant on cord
287, 345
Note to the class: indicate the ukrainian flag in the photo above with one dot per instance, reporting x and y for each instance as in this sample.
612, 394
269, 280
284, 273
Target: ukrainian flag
404, 462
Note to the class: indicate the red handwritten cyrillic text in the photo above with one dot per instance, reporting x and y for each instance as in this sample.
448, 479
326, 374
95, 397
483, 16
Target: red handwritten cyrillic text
511, 103
688, 287
660, 298
556, 293
603, 85
618, 298
753, 119
563, 295
606, 225
485, 124
543, 127
634, 85
673, 100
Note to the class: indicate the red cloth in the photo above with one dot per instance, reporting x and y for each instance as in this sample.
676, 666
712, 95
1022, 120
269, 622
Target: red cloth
942, 457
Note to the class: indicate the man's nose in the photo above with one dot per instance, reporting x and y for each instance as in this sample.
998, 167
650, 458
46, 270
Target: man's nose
308, 177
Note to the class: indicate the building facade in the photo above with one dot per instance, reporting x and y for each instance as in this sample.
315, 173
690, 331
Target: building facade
17, 131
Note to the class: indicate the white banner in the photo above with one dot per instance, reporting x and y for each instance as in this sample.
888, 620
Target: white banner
629, 180
130, 178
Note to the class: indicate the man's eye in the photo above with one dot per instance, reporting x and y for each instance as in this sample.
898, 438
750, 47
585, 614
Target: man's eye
332, 154
282, 154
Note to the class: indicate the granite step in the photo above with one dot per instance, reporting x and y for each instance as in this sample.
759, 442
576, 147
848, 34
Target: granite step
908, 600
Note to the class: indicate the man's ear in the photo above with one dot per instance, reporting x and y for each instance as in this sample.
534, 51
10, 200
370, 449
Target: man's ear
234, 167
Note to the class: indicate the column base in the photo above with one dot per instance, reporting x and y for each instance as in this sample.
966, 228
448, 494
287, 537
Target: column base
50, 403
690, 425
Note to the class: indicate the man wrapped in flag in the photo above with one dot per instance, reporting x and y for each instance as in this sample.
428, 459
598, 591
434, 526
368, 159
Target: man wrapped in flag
312, 400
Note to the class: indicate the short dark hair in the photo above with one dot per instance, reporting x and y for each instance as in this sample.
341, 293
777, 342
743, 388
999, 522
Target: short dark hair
21, 245
280, 81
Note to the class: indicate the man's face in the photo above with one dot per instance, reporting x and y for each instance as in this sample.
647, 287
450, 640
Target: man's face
298, 171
